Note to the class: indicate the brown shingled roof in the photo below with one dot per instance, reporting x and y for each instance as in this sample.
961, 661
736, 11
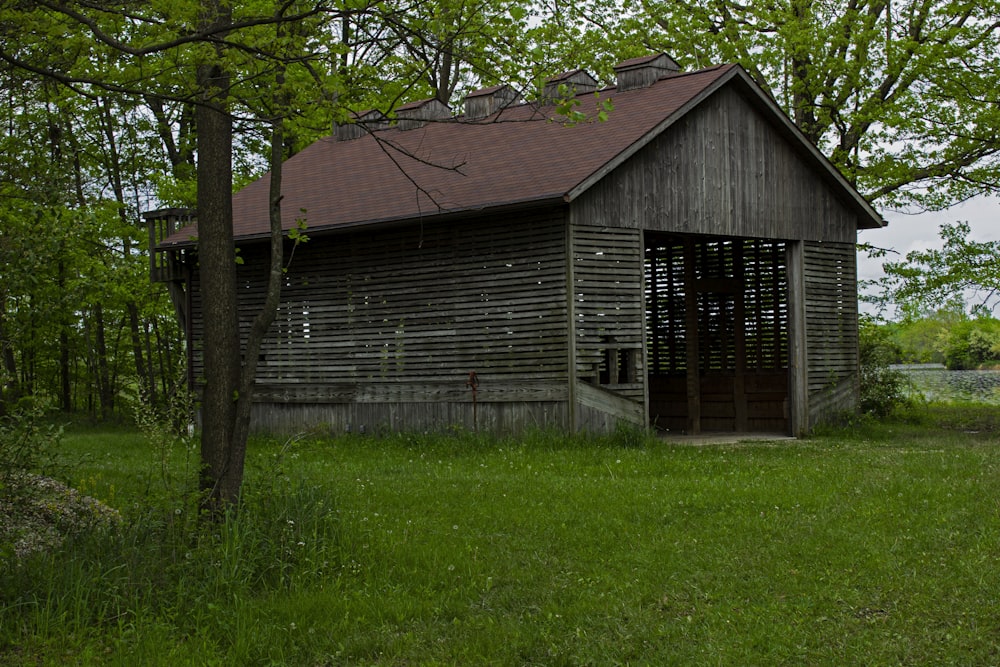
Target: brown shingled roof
450, 166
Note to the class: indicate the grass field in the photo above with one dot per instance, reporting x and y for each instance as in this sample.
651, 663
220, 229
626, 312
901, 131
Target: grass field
877, 544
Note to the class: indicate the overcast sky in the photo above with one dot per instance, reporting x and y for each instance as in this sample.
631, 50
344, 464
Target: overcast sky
922, 231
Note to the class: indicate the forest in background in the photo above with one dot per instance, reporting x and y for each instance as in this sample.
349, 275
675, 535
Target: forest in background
948, 336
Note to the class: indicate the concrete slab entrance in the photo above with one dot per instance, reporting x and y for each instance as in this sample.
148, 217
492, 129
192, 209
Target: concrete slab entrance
723, 438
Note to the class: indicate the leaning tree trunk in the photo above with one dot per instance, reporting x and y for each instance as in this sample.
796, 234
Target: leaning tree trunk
265, 317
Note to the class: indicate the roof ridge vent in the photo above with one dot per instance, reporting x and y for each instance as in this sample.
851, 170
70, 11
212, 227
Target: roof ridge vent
577, 82
360, 124
644, 71
487, 101
416, 114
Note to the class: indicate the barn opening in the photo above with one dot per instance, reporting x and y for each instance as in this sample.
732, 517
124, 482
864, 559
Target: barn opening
717, 334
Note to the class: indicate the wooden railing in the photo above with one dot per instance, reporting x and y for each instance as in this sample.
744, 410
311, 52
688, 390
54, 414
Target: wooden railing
164, 263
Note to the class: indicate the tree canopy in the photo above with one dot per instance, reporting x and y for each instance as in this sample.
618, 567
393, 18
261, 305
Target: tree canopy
903, 97
962, 270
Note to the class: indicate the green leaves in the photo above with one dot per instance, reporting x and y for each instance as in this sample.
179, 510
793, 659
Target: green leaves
901, 96
605, 106
962, 269
568, 108
298, 232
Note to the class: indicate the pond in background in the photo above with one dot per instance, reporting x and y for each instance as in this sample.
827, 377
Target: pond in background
937, 383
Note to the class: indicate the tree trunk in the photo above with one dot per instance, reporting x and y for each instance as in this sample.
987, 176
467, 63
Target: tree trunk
220, 479
105, 394
29, 364
140, 363
150, 365
65, 390
803, 99
163, 349
143, 370
8, 379
228, 479
217, 257
264, 319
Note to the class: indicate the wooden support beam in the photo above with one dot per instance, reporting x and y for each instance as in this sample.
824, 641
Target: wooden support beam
798, 378
691, 325
739, 342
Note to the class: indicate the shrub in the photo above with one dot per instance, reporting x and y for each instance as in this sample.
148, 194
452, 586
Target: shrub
972, 343
37, 513
27, 443
883, 389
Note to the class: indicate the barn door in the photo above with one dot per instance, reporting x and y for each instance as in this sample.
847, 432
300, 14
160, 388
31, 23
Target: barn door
717, 334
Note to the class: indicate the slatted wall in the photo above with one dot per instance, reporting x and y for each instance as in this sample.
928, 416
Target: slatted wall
723, 169
831, 321
381, 329
607, 320
667, 331
717, 331
666, 318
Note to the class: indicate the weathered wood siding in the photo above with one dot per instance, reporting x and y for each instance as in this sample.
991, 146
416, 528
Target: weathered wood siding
607, 306
831, 328
599, 410
721, 170
798, 365
381, 329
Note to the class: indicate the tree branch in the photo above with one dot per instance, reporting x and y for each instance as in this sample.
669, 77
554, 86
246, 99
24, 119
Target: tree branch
207, 34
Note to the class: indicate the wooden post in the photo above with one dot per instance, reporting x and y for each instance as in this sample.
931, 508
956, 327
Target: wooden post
571, 376
739, 341
473, 384
643, 370
691, 338
798, 379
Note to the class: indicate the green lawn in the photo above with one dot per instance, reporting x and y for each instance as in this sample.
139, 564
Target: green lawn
872, 545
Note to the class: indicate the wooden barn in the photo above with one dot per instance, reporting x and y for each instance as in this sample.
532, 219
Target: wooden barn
688, 263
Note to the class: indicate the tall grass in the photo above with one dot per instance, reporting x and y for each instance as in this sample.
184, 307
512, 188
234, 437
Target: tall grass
869, 545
